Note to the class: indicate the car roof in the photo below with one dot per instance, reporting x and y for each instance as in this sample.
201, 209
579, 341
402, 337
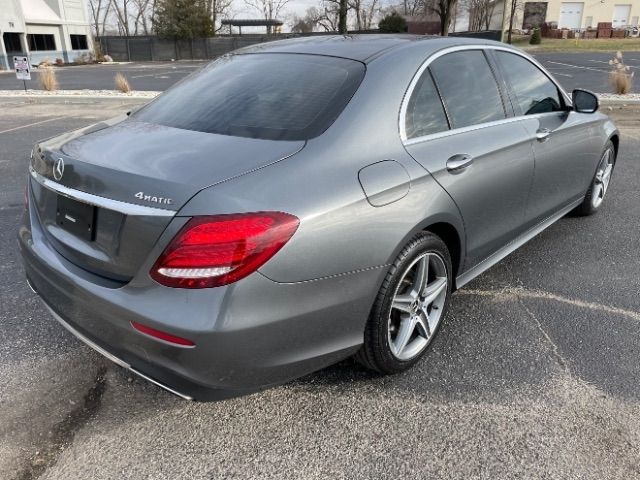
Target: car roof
364, 47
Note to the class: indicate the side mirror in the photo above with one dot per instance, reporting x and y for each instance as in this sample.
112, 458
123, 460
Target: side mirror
584, 101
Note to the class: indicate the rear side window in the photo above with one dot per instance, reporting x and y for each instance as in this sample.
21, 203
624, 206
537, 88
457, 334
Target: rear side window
468, 88
268, 96
425, 113
534, 92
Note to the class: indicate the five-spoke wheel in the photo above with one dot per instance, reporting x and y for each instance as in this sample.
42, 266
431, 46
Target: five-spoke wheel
600, 184
410, 306
416, 308
603, 177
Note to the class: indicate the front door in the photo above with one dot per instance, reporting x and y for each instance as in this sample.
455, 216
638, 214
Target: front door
564, 149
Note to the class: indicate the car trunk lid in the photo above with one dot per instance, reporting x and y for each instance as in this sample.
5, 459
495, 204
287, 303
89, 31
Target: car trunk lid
119, 184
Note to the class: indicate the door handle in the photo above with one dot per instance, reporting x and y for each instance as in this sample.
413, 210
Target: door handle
459, 162
542, 134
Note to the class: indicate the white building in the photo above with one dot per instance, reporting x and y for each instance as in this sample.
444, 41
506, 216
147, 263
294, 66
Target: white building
43, 29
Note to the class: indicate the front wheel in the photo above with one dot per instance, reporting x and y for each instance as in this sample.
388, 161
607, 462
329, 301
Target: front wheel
600, 183
410, 306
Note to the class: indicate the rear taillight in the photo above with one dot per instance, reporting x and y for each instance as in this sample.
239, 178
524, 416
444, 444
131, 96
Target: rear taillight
218, 250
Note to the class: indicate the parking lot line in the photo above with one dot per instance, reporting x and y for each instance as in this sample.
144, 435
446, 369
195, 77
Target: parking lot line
578, 66
601, 61
159, 73
561, 74
30, 125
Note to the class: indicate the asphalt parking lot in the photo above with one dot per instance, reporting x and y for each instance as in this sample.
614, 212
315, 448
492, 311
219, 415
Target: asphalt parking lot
534, 374
155, 76
588, 70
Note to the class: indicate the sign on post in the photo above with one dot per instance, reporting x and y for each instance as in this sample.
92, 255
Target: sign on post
23, 70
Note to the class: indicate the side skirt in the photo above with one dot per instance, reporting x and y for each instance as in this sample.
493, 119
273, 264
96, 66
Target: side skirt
510, 247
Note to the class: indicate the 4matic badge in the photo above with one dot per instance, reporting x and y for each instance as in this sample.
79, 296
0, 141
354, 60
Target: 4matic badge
153, 198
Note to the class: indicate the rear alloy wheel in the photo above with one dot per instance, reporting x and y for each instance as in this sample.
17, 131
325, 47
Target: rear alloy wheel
410, 306
600, 184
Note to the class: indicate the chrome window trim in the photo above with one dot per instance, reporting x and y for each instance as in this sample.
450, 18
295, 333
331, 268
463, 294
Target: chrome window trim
470, 128
98, 201
455, 131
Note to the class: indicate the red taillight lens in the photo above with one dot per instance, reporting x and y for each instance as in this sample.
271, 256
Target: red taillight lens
218, 250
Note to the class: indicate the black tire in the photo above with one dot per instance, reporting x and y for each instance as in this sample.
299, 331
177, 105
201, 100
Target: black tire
587, 207
376, 353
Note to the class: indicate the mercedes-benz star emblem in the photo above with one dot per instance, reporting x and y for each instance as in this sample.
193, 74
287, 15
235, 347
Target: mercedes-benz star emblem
58, 169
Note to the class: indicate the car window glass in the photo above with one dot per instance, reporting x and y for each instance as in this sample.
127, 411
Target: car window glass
425, 113
268, 96
468, 88
534, 92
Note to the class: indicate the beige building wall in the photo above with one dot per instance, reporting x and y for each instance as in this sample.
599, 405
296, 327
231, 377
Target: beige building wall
58, 18
593, 12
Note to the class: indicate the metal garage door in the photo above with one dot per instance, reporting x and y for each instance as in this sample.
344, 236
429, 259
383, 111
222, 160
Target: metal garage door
570, 15
621, 15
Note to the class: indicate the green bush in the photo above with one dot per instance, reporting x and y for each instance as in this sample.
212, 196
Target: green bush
536, 38
393, 23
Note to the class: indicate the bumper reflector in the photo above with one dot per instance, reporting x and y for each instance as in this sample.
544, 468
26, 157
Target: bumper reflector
164, 336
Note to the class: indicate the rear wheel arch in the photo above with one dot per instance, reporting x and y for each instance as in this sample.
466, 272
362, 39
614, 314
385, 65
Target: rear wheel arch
450, 236
615, 139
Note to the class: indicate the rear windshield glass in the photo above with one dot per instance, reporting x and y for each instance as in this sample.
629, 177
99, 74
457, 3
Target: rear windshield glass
269, 96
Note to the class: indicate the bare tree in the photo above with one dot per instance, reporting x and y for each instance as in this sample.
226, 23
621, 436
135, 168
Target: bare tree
343, 10
99, 13
480, 14
218, 9
514, 6
364, 12
270, 9
326, 16
414, 7
445, 10
122, 10
369, 11
142, 16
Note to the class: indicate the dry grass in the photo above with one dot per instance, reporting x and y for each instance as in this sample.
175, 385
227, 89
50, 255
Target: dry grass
621, 76
578, 45
48, 79
122, 83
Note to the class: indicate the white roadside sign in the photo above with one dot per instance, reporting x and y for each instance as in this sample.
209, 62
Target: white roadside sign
23, 71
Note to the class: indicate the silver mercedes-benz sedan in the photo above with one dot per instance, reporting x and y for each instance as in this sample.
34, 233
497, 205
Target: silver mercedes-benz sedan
298, 202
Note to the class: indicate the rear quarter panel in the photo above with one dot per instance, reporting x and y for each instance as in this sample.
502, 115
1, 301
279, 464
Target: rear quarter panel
340, 231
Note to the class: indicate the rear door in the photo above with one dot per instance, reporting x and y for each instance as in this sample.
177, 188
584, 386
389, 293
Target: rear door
471, 145
563, 143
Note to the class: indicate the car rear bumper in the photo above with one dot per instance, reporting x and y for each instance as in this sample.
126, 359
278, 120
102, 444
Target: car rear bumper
249, 335
105, 353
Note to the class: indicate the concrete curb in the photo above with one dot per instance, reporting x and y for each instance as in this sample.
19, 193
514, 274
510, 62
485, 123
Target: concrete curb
619, 102
89, 99
73, 99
